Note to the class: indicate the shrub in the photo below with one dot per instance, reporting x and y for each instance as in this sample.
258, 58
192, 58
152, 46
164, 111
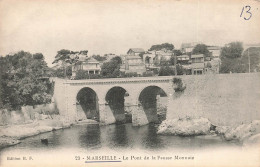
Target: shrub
82, 74
131, 74
148, 74
166, 71
180, 87
180, 69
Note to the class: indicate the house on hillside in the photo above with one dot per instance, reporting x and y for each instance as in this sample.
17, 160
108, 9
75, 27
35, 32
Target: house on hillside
148, 58
135, 51
212, 66
197, 64
109, 57
87, 64
183, 59
164, 54
214, 51
132, 64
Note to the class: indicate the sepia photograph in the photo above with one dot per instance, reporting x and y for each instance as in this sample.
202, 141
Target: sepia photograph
129, 83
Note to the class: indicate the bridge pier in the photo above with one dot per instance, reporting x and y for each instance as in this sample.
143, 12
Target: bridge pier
139, 117
106, 114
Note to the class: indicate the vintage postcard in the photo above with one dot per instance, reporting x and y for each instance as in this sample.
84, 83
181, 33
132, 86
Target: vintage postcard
129, 83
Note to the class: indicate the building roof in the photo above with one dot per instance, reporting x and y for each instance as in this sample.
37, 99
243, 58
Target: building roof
136, 50
92, 60
197, 56
183, 56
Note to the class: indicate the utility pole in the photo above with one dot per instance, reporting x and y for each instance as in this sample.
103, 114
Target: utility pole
65, 70
248, 60
175, 62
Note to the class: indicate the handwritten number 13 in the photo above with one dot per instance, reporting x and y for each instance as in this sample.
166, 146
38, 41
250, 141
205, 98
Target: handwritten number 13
248, 13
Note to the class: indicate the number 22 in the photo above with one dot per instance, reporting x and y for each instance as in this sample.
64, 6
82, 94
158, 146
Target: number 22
248, 11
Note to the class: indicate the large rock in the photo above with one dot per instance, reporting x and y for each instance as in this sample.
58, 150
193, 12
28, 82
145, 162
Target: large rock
255, 139
185, 126
37, 127
240, 133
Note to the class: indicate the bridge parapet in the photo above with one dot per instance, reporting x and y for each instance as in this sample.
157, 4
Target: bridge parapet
110, 81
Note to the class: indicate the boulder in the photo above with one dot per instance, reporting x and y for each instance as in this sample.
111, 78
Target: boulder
240, 133
255, 139
185, 126
221, 129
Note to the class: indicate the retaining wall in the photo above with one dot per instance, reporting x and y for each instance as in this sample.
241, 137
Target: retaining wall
226, 99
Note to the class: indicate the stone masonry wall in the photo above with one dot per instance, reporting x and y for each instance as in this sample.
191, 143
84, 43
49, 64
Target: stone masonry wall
226, 99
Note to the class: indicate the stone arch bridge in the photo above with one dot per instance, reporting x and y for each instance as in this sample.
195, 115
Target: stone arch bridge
107, 100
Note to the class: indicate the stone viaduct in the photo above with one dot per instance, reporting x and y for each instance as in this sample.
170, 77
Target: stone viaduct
107, 99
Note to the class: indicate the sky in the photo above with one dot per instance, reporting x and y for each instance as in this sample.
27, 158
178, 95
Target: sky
114, 26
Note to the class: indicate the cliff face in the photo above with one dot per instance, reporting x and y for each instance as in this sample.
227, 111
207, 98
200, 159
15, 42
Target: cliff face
225, 99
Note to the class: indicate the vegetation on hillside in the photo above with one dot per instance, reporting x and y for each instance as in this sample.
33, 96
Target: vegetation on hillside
231, 58
166, 46
23, 80
201, 49
180, 87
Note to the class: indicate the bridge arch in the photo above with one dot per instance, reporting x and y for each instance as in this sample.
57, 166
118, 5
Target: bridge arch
87, 104
153, 100
116, 100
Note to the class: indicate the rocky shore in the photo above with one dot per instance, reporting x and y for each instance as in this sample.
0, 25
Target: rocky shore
11, 134
246, 133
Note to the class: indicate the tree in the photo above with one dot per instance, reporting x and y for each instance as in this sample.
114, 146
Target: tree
22, 82
60, 72
232, 65
208, 65
201, 49
117, 59
111, 69
67, 57
232, 50
38, 56
165, 62
231, 58
166, 46
180, 69
177, 52
172, 60
99, 58
166, 71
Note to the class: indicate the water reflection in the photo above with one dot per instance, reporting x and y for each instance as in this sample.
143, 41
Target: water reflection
89, 136
151, 140
119, 136
123, 136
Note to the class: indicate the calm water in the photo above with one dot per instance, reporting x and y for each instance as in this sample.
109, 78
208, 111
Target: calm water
115, 137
